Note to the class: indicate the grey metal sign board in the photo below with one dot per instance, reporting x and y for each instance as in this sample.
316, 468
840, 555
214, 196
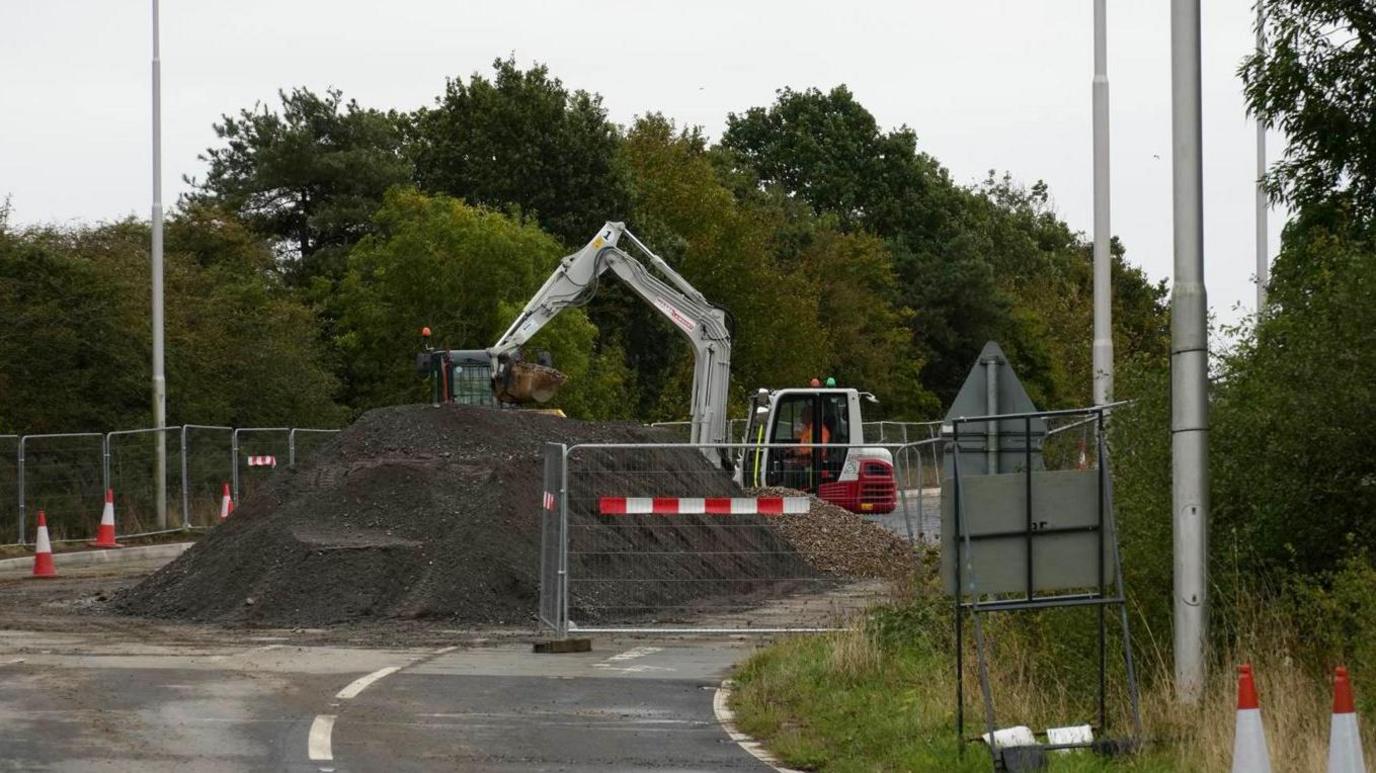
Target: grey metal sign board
1065, 512
991, 389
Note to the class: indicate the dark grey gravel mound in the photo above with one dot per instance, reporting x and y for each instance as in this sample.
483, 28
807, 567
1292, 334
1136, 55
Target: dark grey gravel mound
420, 512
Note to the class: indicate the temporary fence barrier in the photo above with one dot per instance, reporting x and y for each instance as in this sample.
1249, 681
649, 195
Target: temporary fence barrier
917, 473
683, 430
130, 470
63, 473
657, 537
901, 432
307, 442
9, 488
261, 441
207, 463
67, 475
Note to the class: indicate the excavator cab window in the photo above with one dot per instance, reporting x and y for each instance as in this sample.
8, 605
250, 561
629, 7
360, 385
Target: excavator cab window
836, 418
818, 426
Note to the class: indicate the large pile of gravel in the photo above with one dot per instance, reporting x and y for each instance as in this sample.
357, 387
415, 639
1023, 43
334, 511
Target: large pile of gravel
836, 541
413, 512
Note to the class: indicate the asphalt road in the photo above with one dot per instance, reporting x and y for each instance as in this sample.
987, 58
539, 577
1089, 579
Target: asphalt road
81, 702
920, 513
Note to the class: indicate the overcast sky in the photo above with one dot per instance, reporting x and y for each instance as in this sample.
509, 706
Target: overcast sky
986, 84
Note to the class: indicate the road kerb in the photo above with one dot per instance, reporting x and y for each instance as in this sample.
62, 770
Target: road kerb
721, 707
16, 567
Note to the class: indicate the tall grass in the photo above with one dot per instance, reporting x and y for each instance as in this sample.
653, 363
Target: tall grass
880, 696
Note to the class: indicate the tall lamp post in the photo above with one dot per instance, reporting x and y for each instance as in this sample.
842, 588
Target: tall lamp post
1189, 359
159, 377
1263, 263
1103, 307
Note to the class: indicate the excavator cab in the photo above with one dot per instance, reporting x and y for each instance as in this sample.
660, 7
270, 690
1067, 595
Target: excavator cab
475, 377
808, 439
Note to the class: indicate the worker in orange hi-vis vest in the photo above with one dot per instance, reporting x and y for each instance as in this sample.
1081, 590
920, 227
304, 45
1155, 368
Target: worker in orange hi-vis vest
805, 433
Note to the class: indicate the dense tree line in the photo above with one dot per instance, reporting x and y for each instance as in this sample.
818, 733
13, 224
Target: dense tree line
1293, 392
324, 233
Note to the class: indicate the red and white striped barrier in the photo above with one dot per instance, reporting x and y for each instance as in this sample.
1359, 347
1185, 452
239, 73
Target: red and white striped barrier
550, 500
262, 461
703, 505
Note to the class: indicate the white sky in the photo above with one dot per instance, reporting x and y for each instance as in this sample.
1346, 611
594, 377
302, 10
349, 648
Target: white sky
986, 84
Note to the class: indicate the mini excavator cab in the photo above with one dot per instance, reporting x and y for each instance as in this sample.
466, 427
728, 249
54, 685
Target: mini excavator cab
810, 439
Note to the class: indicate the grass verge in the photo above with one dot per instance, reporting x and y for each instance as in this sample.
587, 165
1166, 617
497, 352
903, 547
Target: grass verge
880, 696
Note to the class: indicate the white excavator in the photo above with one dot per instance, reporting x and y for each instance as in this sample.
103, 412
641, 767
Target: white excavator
811, 419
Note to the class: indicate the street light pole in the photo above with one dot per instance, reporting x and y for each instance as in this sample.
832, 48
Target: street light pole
1263, 262
1103, 307
1189, 359
159, 377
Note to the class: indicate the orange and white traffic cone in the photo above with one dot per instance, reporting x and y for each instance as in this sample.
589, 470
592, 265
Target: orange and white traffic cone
1344, 740
1250, 754
105, 535
226, 503
43, 550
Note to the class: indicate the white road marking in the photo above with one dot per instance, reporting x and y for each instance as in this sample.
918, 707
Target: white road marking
445, 650
362, 683
636, 652
727, 719
318, 745
630, 669
613, 663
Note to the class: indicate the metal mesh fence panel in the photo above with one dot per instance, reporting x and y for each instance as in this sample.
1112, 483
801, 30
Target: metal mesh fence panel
303, 442
9, 490
552, 540
131, 472
207, 467
675, 431
661, 537
63, 476
917, 471
257, 452
1071, 443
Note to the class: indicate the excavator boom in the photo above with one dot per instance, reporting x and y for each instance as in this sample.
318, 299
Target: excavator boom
575, 281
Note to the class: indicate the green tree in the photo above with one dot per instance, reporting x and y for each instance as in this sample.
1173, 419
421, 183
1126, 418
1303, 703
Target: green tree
993, 262
688, 216
1293, 409
465, 272
522, 140
1314, 81
309, 178
74, 354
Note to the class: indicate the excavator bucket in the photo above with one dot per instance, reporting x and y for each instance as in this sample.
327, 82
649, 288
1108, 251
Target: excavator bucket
522, 383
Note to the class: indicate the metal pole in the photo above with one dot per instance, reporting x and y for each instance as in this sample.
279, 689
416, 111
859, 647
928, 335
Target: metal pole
159, 379
234, 467
1103, 307
991, 404
291, 447
186, 485
19, 485
1263, 263
1189, 359
105, 462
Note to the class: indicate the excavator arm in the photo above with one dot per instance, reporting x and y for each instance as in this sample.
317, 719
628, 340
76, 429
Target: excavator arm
575, 281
